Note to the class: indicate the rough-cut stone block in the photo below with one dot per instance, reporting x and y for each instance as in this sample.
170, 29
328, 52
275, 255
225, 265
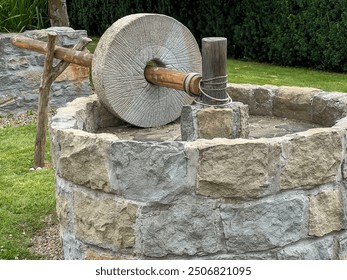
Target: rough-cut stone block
214, 123
78, 149
237, 168
342, 238
267, 255
328, 107
63, 203
103, 221
94, 255
294, 102
326, 212
258, 98
311, 249
150, 171
264, 224
198, 122
311, 158
189, 227
72, 247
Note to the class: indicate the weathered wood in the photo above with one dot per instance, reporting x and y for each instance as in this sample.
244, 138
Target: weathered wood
68, 55
50, 73
214, 69
46, 81
172, 79
57, 13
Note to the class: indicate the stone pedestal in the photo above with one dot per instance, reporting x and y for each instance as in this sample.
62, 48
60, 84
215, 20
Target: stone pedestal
202, 122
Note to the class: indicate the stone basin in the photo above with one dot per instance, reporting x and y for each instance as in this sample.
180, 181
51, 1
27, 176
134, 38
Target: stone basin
130, 193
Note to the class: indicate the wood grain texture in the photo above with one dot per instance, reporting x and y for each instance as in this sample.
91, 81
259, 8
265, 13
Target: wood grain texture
121, 57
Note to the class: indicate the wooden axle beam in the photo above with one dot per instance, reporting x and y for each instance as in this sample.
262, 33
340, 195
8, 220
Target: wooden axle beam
155, 75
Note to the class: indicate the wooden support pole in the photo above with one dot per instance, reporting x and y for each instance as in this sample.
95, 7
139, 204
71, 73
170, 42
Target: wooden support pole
46, 82
50, 73
68, 55
214, 70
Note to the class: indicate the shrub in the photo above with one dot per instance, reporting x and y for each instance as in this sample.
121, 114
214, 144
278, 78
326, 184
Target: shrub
20, 15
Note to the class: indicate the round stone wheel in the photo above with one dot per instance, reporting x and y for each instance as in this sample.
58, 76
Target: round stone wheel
121, 56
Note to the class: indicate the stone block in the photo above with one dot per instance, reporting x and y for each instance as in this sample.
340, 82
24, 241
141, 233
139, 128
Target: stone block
311, 158
342, 238
95, 255
100, 220
326, 212
258, 98
78, 149
64, 201
150, 171
310, 249
237, 168
328, 107
214, 123
199, 122
264, 224
294, 102
72, 247
190, 227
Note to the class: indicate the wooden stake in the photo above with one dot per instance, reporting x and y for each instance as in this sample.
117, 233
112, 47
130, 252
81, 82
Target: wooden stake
214, 64
46, 82
50, 73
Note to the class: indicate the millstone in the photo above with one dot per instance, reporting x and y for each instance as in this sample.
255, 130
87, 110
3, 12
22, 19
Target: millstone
121, 56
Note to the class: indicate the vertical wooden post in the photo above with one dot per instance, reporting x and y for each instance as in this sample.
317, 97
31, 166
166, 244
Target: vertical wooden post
214, 70
45, 87
50, 73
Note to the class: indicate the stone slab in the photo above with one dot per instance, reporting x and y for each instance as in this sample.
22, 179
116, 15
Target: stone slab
311, 249
237, 168
265, 224
150, 171
103, 221
311, 158
190, 227
326, 212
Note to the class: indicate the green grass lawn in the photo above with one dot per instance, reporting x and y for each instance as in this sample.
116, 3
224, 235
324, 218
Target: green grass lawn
260, 74
25, 196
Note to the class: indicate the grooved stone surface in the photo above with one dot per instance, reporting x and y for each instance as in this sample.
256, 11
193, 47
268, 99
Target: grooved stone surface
121, 57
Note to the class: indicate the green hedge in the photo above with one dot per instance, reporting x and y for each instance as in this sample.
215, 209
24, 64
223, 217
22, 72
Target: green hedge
20, 15
310, 33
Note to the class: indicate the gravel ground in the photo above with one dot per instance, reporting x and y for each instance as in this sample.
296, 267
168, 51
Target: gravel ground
46, 243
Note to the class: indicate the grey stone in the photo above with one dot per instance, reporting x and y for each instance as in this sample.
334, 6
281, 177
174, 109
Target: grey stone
190, 227
342, 238
21, 71
328, 107
72, 247
149, 171
294, 102
310, 249
265, 224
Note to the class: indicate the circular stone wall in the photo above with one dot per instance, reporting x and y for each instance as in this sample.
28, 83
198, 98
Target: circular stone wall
267, 198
